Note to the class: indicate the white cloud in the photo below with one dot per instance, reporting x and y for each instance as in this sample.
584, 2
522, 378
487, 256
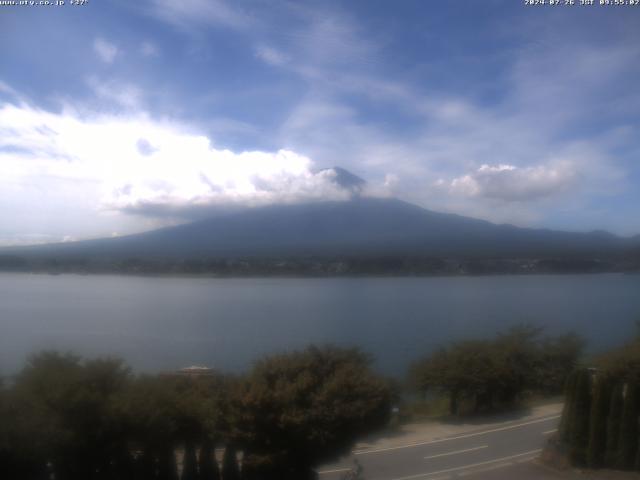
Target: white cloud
106, 51
145, 166
391, 180
332, 39
534, 135
188, 14
149, 49
511, 183
122, 94
539, 126
271, 55
4, 88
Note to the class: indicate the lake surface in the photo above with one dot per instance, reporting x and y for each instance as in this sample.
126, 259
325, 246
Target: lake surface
167, 323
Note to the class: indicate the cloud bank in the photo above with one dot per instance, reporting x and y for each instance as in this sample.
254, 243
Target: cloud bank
511, 183
152, 167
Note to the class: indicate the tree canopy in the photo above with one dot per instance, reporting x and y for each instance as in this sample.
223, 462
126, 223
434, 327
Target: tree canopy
303, 408
81, 419
498, 371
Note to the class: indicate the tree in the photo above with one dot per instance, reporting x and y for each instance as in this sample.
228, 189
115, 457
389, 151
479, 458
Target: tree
167, 411
144, 466
558, 357
598, 422
300, 409
189, 463
20, 455
265, 467
207, 463
67, 408
230, 470
579, 422
613, 425
466, 370
608, 412
628, 442
150, 406
490, 372
436, 372
167, 468
567, 413
518, 351
623, 363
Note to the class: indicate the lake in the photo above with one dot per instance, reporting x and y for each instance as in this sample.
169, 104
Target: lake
167, 323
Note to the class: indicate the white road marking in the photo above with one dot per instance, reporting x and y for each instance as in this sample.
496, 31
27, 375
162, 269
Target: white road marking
456, 452
550, 431
468, 435
472, 465
337, 470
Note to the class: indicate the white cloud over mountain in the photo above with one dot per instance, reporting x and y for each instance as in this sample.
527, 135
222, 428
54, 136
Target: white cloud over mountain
151, 167
173, 108
511, 183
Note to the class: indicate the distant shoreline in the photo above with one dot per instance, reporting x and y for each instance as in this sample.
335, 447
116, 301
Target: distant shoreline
353, 267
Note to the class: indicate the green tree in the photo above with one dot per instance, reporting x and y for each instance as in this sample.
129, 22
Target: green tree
518, 351
165, 412
144, 466
598, 423
485, 372
230, 470
300, 409
264, 467
207, 463
70, 404
189, 463
167, 468
613, 425
628, 442
567, 413
623, 363
20, 455
468, 370
499, 371
579, 422
558, 357
150, 406
437, 372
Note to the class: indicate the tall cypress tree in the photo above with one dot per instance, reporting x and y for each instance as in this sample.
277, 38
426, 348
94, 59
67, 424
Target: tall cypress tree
144, 467
637, 462
598, 422
230, 470
189, 463
250, 468
167, 468
207, 462
579, 426
613, 425
567, 412
628, 442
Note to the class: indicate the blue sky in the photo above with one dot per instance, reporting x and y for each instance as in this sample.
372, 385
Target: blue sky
123, 116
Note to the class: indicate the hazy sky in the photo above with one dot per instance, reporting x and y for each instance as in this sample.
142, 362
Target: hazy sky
121, 116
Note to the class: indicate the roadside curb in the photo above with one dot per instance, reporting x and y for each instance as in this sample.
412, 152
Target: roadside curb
435, 432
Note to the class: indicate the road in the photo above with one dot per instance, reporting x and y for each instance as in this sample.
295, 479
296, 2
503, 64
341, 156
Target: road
498, 451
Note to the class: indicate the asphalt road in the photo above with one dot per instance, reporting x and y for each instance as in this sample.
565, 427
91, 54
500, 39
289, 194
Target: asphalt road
501, 451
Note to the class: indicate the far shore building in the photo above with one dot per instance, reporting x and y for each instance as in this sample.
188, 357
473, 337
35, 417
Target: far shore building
197, 371
193, 371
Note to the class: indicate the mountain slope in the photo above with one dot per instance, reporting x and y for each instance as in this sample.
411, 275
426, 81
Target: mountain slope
362, 226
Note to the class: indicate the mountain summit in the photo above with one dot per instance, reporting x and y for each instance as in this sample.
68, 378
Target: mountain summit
347, 180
